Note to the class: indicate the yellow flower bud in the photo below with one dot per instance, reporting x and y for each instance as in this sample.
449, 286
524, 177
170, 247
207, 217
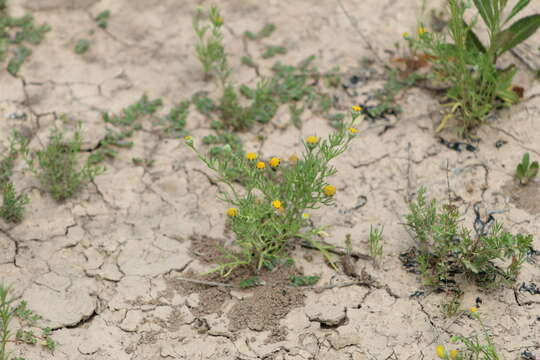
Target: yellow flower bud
329, 190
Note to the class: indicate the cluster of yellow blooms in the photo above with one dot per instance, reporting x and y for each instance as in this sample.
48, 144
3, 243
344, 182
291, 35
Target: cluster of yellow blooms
452, 354
328, 190
312, 141
420, 31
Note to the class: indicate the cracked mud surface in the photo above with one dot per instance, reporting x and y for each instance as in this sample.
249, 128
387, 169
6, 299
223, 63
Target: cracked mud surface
102, 269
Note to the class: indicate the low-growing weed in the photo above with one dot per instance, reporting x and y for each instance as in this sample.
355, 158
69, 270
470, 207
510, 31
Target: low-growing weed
269, 211
108, 143
177, 117
266, 31
526, 171
82, 46
210, 48
305, 280
102, 19
127, 120
250, 282
475, 347
134, 112
203, 103
18, 31
273, 50
468, 66
447, 248
12, 209
58, 167
26, 318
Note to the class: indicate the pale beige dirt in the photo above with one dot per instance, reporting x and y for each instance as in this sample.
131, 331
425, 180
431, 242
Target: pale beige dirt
101, 269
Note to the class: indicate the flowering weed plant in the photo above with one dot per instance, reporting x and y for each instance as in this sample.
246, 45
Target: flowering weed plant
268, 211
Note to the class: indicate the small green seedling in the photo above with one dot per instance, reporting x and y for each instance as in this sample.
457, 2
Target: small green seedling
58, 167
177, 117
210, 48
15, 63
12, 209
251, 282
82, 46
273, 50
102, 19
526, 170
305, 280
266, 31
374, 240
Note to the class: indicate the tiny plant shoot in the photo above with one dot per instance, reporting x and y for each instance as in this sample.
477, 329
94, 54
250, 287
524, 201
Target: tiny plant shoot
526, 170
270, 211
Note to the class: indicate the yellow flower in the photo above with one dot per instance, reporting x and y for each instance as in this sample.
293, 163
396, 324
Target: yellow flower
474, 309
261, 165
219, 20
293, 159
329, 190
188, 139
274, 162
405, 35
453, 354
357, 108
232, 212
312, 140
353, 131
251, 156
441, 352
422, 30
305, 216
276, 204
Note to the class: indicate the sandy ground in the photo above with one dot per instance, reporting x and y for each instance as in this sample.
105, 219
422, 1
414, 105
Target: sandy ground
103, 269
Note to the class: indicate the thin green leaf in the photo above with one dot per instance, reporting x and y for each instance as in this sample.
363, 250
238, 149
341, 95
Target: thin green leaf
486, 12
472, 41
525, 161
517, 33
517, 8
520, 172
533, 170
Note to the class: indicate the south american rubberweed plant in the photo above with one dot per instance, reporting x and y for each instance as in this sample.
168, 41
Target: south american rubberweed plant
468, 66
268, 211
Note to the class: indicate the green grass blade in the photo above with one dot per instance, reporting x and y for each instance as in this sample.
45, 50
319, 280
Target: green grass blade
472, 41
517, 8
486, 12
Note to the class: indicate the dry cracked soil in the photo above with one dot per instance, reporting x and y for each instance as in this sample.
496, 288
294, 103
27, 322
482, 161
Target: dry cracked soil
105, 269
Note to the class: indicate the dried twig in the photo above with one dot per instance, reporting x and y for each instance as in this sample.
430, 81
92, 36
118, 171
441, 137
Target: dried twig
354, 24
337, 251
